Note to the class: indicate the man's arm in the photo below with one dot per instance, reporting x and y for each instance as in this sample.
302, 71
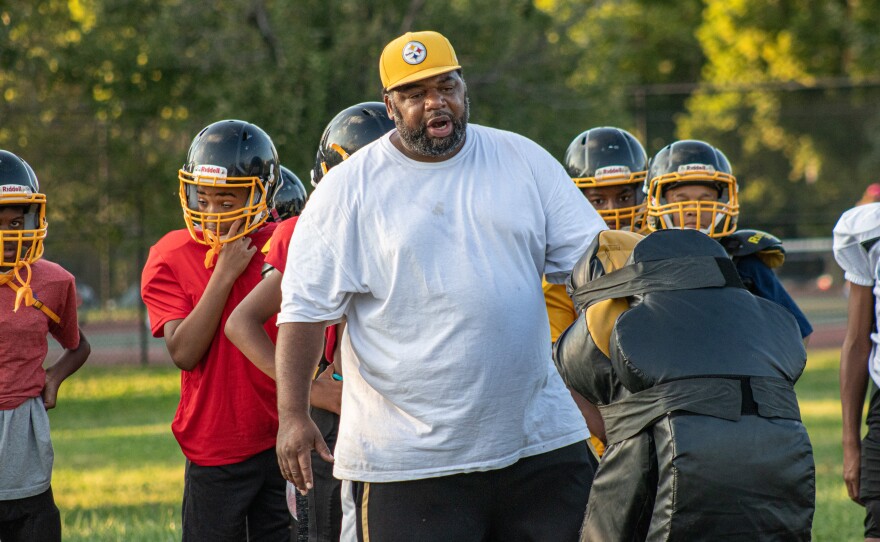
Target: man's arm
189, 339
298, 353
244, 327
68, 363
854, 381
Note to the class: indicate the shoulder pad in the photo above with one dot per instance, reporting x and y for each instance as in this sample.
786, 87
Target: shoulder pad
766, 246
858, 226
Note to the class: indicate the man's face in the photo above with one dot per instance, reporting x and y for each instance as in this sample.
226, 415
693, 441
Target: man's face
11, 218
431, 115
609, 198
692, 193
220, 199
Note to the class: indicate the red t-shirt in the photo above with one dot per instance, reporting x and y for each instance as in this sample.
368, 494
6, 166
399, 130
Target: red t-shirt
279, 243
227, 411
23, 334
277, 258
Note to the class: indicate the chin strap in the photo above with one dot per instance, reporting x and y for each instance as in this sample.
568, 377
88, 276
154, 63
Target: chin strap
25, 293
216, 245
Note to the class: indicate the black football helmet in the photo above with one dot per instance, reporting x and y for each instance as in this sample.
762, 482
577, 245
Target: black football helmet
692, 162
351, 129
19, 188
229, 153
609, 156
289, 199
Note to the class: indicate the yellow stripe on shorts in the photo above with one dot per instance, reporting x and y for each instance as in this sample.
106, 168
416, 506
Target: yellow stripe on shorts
365, 500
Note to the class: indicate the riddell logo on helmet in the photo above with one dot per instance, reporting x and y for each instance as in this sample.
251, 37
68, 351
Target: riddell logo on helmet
14, 189
612, 171
696, 168
218, 173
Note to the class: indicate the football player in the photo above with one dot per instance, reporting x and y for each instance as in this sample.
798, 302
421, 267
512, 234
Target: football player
37, 298
857, 251
690, 185
349, 131
609, 165
227, 419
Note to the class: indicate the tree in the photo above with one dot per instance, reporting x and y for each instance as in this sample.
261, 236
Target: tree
766, 63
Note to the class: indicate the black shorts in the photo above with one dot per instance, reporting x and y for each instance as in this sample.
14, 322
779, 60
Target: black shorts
30, 518
241, 501
869, 479
538, 498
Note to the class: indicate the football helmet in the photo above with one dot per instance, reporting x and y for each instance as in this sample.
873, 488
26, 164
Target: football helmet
351, 129
19, 187
235, 154
289, 198
692, 162
608, 156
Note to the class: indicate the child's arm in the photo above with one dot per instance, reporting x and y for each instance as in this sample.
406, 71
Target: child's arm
189, 339
244, 327
326, 391
854, 380
68, 363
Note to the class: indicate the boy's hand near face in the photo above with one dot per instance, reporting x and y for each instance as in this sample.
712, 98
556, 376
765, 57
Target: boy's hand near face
236, 255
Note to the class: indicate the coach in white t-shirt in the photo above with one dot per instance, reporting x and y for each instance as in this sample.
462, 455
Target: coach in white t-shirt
431, 243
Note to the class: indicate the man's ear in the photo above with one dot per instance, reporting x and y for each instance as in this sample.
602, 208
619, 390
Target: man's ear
386, 97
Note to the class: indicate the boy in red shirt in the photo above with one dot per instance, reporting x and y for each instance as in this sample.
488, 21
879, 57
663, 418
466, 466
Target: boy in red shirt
226, 422
37, 297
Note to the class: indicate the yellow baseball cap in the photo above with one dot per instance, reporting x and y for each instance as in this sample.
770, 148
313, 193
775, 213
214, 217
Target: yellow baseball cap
415, 56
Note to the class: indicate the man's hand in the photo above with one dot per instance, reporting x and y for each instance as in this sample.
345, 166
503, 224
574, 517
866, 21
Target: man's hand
296, 356
297, 437
852, 469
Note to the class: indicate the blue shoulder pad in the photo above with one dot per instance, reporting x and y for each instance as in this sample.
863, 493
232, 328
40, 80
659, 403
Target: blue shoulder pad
745, 242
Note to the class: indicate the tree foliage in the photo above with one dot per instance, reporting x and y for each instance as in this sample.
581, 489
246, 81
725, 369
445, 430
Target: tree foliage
103, 97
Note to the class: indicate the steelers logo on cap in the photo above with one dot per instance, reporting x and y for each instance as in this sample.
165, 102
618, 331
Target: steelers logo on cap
414, 52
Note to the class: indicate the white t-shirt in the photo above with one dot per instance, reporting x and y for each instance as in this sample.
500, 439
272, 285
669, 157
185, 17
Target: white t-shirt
437, 268
857, 251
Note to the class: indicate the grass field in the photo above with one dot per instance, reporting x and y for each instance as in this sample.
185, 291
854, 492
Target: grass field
119, 471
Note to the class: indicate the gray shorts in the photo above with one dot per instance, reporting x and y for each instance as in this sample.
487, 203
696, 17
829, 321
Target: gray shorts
26, 454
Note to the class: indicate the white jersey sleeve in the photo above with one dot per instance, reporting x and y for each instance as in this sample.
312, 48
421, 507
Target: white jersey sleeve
855, 237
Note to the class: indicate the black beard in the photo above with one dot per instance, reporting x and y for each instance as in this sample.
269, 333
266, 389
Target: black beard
418, 142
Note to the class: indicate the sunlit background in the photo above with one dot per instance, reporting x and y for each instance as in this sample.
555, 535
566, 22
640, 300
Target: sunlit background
102, 98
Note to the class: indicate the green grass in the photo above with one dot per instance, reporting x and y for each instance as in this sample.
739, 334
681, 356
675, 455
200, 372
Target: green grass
837, 518
119, 472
